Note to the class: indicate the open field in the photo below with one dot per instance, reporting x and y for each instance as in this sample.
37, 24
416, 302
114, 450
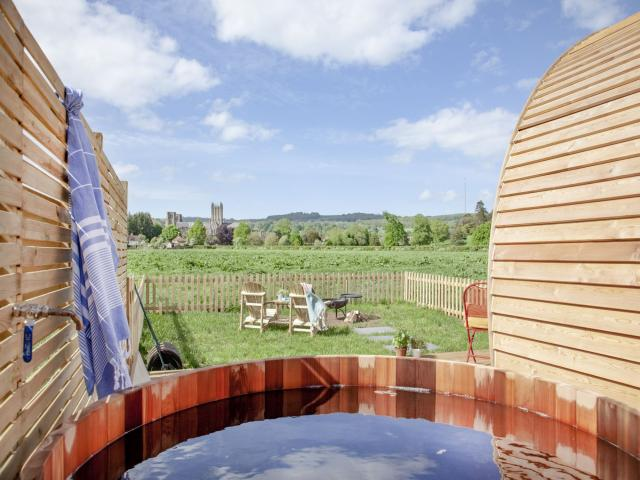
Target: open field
472, 264
213, 338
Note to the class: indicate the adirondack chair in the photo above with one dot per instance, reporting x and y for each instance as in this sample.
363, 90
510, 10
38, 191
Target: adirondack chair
476, 320
299, 312
259, 313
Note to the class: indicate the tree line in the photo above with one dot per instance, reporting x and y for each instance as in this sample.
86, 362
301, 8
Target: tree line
471, 229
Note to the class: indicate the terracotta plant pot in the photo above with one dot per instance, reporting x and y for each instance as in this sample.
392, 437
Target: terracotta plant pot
401, 352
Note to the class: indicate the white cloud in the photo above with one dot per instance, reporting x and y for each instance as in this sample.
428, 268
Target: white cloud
449, 196
125, 169
487, 61
526, 83
287, 147
231, 129
425, 195
333, 462
375, 32
145, 119
402, 157
593, 14
112, 56
464, 129
221, 177
127, 140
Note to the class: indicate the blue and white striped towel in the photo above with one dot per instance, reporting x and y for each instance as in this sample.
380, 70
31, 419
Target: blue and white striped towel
316, 308
95, 260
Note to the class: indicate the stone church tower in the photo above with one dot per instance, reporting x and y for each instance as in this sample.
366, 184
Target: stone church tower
216, 216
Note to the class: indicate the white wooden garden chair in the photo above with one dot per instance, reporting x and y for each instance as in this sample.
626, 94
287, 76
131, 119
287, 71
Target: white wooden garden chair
299, 312
255, 311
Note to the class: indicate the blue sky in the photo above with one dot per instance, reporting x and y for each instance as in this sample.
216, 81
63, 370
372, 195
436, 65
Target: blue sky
292, 105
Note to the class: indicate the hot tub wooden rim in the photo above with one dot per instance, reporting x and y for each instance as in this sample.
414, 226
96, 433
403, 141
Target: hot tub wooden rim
71, 445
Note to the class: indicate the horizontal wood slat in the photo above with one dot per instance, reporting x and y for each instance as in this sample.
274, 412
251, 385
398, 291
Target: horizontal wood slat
575, 120
620, 151
35, 252
595, 231
602, 319
587, 340
623, 208
530, 367
588, 295
585, 175
564, 275
589, 273
626, 252
620, 371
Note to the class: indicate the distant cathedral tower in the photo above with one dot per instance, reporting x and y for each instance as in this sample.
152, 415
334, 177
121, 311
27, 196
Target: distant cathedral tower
216, 216
173, 218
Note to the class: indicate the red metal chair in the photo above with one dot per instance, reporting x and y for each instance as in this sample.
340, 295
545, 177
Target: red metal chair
476, 319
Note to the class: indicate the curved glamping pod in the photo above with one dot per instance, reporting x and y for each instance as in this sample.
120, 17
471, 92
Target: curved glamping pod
565, 249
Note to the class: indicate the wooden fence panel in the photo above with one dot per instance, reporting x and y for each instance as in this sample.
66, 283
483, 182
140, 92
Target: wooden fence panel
220, 292
35, 244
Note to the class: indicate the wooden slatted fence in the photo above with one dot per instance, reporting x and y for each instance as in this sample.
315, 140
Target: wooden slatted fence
221, 292
35, 236
437, 292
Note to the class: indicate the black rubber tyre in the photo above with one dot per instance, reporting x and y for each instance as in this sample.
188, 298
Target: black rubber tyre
170, 355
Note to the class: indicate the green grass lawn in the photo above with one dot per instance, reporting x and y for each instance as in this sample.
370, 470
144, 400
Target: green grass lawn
213, 338
471, 264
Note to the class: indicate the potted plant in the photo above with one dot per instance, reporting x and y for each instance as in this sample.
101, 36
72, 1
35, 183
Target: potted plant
400, 342
416, 347
283, 295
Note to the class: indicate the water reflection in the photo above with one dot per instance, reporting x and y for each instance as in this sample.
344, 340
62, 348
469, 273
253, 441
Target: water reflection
352, 432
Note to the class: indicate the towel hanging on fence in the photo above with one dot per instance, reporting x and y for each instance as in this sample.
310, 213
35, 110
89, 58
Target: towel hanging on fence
95, 260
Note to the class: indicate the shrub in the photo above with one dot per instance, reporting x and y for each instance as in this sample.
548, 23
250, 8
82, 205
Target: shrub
197, 233
271, 240
310, 235
394, 232
282, 227
480, 236
255, 239
334, 237
169, 233
440, 231
284, 241
241, 234
374, 238
295, 239
356, 235
422, 234
143, 223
